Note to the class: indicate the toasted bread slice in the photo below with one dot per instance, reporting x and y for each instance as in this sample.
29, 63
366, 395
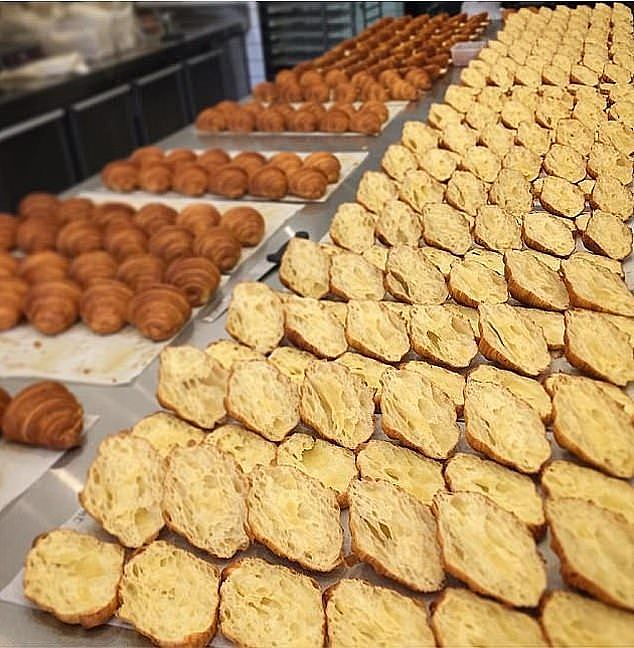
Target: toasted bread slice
263, 399
395, 534
419, 414
247, 448
594, 547
513, 492
489, 548
74, 576
397, 161
133, 514
607, 234
511, 340
296, 517
505, 428
449, 382
228, 352
357, 609
462, 618
375, 189
170, 596
205, 499
471, 283
353, 277
166, 432
255, 316
304, 268
192, 384
367, 369
442, 259
497, 230
291, 362
398, 224
446, 228
337, 404
550, 322
376, 331
328, 463
572, 620
415, 474
412, 278
352, 227
270, 606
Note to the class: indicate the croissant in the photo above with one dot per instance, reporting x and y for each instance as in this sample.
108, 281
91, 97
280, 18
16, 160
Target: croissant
307, 183
334, 121
378, 108
120, 175
253, 107
197, 277
269, 182
316, 92
147, 155
227, 106
302, 121
159, 311
286, 161
43, 266
348, 108
8, 231
198, 217
265, 91
190, 180
211, 120
374, 91
310, 77
316, 108
250, 161
104, 306
213, 156
5, 399
287, 111
389, 76
270, 120
285, 76
52, 306
345, 92
220, 246
179, 156
290, 92
334, 77
153, 216
38, 203
12, 293
123, 241
141, 271
402, 90
8, 265
245, 223
325, 162
76, 208
230, 181
111, 212
92, 266
418, 78
171, 242
155, 177
240, 121
77, 237
366, 122
37, 233
361, 77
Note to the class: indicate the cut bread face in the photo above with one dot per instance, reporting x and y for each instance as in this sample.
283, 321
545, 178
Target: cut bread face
609, 195
397, 161
131, 514
247, 448
369, 370
375, 189
377, 256
522, 159
74, 576
471, 283
612, 265
466, 192
440, 258
534, 137
395, 534
338, 309
357, 610
376, 331
337, 404
439, 163
533, 283
511, 340
296, 517
304, 268
513, 492
291, 362
446, 228
420, 477
572, 620
560, 197
352, 228
166, 432
398, 224
462, 618
192, 385
227, 353
418, 189
607, 234
566, 479
412, 278
604, 159
353, 277
553, 262
467, 313
418, 137
263, 399
326, 462
564, 162
482, 162
458, 138
504, 428
419, 414
170, 596
594, 547
270, 606
255, 316
595, 346
512, 192
489, 549
550, 322
442, 335
449, 382
497, 230
205, 499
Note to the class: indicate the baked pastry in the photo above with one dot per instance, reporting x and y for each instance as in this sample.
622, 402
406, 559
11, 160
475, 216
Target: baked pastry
12, 293
220, 246
245, 223
198, 218
325, 162
77, 237
89, 266
307, 183
166, 432
44, 414
607, 234
159, 311
120, 175
265, 91
213, 157
140, 271
366, 122
334, 77
112, 212
286, 161
124, 241
305, 268
302, 121
179, 156
291, 92
270, 120
43, 266
250, 161
153, 216
240, 120
35, 234
197, 277
316, 92
211, 120
171, 242
411, 278
450, 383
190, 180
8, 231
156, 177
352, 228
314, 107
38, 203
254, 107
334, 120
103, 307
52, 306
268, 182
147, 155
230, 181
8, 264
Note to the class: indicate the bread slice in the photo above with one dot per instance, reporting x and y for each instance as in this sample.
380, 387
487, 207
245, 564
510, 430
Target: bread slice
338, 309
296, 517
441, 114
291, 362
74, 576
460, 97
550, 322
419, 414
467, 313
471, 283
504, 428
304, 268
328, 463
513, 492
446, 228
558, 196
442, 259
270, 606
440, 163
418, 137
526, 389
377, 256
415, 474
527, 162
352, 227
554, 263
247, 448
482, 162
395, 534
397, 161
457, 138
263, 399
624, 324
228, 352
489, 548
450, 383
166, 432
375, 189
609, 195
205, 499
313, 328
512, 340
466, 192
595, 346
612, 265
497, 230
357, 609
337, 404
418, 189
369, 370
512, 192
594, 547
375, 331
353, 277
255, 316
412, 278
572, 620
604, 159
398, 224
534, 137
607, 234
170, 596
192, 385
132, 514
564, 162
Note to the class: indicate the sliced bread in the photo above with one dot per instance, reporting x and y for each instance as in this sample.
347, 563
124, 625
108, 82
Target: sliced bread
166, 432
412, 278
352, 227
304, 268
367, 369
247, 448
471, 284
546, 233
228, 352
497, 230
449, 382
550, 322
398, 224
291, 362
446, 228
353, 277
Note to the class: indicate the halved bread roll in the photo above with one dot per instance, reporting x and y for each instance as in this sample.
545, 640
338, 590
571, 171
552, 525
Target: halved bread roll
377, 256
547, 233
471, 284
612, 265
291, 362
497, 230
449, 382
625, 324
564, 162
605, 159
247, 448
304, 268
534, 137
166, 432
353, 277
460, 97
439, 163
550, 322
482, 162
338, 309
352, 227
440, 258
397, 161
418, 137
467, 313
228, 352
609, 195
369, 370
561, 197
522, 159
457, 138
466, 192
412, 278
418, 189
398, 224
375, 189
446, 228
607, 234
512, 192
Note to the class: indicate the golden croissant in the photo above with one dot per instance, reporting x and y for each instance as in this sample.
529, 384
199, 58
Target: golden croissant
229, 181
286, 161
302, 121
240, 121
197, 277
271, 120
171, 242
180, 156
245, 223
37, 233
307, 183
401, 90
109, 212
265, 91
8, 231
124, 241
220, 246
211, 120
366, 122
325, 162
147, 155
378, 108
291, 92
315, 108
190, 180
155, 177
77, 237
316, 92
52, 306
92, 266
8, 264
213, 156
141, 271
43, 266
159, 311
38, 203
5, 399
12, 294
104, 306
250, 161
76, 208
334, 121
334, 77
268, 182
198, 217
346, 92
153, 216
120, 175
